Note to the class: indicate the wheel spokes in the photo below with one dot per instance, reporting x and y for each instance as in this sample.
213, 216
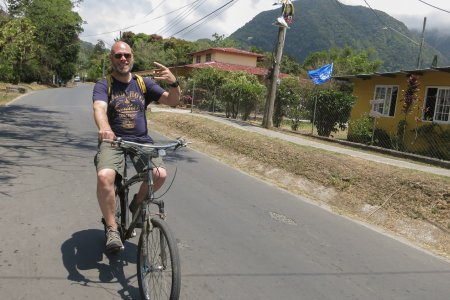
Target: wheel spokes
156, 270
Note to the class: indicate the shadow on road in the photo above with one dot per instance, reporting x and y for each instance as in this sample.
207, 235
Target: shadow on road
82, 254
33, 136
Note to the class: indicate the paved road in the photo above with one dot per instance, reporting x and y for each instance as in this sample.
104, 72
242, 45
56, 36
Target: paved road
239, 238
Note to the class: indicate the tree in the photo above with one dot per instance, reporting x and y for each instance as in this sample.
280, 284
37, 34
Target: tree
128, 37
207, 81
291, 101
332, 110
97, 61
16, 48
346, 61
57, 43
146, 53
178, 51
242, 93
222, 41
288, 64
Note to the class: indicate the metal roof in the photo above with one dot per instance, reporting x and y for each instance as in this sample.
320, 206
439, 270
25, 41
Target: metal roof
393, 74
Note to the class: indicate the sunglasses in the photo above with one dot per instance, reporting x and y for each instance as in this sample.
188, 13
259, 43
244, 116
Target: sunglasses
119, 55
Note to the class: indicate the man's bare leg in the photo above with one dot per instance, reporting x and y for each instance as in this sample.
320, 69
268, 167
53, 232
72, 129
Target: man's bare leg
107, 202
159, 176
106, 196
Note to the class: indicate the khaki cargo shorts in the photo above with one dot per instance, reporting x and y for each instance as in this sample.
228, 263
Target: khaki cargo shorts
109, 157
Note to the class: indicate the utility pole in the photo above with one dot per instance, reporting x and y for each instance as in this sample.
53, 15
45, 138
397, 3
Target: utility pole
419, 58
103, 68
270, 101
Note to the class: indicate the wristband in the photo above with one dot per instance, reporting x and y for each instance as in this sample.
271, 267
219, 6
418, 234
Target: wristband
175, 84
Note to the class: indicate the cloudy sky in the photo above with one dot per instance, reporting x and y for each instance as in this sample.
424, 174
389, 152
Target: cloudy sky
187, 19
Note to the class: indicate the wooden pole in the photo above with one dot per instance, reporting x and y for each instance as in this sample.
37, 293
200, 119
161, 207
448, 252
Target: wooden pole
270, 101
419, 59
192, 100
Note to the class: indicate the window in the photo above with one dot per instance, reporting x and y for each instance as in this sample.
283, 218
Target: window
197, 59
437, 105
208, 57
385, 99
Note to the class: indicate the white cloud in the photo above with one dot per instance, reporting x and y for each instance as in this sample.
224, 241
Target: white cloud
168, 17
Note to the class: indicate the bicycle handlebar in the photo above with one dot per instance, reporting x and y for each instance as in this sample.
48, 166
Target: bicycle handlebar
179, 142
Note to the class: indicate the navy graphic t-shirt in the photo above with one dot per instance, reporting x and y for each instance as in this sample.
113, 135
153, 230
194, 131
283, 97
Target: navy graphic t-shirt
126, 108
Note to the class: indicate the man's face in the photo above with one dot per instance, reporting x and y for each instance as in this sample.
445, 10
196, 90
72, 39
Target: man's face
122, 59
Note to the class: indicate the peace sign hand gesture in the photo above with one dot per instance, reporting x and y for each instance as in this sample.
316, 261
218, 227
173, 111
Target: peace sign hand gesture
163, 73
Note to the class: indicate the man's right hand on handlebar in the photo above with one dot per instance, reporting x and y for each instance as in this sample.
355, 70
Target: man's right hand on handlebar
107, 134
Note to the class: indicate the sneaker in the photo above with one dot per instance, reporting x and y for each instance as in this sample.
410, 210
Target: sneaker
113, 241
133, 208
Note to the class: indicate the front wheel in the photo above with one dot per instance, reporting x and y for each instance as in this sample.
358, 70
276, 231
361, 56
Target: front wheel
158, 264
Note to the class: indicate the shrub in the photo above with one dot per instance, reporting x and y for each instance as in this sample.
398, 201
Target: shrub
332, 110
361, 130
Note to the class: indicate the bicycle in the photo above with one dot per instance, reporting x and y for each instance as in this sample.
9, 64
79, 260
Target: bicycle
158, 263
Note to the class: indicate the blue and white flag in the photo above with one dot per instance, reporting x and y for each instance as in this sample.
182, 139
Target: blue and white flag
321, 75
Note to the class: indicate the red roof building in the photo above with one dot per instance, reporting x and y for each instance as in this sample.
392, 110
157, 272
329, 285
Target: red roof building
227, 59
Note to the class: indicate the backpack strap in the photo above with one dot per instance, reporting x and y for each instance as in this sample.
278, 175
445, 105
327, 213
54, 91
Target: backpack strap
141, 84
109, 80
139, 79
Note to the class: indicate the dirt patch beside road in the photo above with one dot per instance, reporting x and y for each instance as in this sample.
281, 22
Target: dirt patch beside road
9, 92
410, 204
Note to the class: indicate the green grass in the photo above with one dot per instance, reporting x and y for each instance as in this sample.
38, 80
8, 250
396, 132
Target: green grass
7, 97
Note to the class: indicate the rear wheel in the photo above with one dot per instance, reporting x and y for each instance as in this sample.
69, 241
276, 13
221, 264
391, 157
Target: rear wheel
158, 264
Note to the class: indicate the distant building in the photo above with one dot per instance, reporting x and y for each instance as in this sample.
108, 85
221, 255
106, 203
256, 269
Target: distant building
227, 59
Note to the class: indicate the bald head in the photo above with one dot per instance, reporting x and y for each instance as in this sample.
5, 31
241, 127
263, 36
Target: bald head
120, 46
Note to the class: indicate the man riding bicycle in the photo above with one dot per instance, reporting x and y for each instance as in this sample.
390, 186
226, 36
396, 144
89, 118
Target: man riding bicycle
119, 103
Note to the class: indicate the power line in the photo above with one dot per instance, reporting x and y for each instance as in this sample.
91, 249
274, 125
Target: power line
131, 26
226, 4
389, 27
378, 17
210, 18
162, 1
176, 21
434, 6
182, 15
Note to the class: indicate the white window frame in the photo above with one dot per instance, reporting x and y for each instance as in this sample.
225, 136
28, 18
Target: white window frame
441, 105
381, 106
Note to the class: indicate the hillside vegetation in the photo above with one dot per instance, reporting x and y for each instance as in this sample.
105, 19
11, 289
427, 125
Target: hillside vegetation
323, 24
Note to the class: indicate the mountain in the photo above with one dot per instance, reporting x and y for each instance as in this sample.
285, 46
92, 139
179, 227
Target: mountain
439, 40
323, 24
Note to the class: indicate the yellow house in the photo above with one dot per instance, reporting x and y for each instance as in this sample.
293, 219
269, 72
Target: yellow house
381, 95
228, 56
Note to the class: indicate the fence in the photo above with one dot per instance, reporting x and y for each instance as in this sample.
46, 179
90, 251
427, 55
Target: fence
318, 118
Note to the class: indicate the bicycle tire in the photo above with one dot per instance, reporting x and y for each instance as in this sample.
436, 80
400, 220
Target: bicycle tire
159, 275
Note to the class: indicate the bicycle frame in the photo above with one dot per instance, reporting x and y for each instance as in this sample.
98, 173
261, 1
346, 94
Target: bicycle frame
142, 210
164, 262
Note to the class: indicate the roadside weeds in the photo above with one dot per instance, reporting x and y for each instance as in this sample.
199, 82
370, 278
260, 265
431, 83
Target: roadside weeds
9, 92
409, 204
